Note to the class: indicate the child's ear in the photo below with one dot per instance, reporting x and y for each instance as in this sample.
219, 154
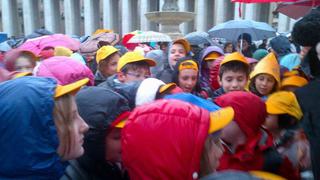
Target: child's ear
219, 80
121, 76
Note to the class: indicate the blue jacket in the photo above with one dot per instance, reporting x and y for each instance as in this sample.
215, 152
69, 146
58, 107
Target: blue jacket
28, 139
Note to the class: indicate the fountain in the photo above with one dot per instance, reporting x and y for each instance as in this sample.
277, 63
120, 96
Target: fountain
170, 18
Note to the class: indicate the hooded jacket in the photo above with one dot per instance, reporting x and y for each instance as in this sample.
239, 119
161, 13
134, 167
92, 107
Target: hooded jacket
206, 75
29, 139
149, 149
281, 45
250, 114
65, 70
99, 107
111, 82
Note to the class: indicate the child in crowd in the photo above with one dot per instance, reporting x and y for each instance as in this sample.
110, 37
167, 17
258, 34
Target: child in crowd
248, 146
173, 139
20, 60
233, 74
102, 143
265, 78
132, 66
186, 76
180, 48
291, 83
40, 127
107, 58
284, 114
208, 72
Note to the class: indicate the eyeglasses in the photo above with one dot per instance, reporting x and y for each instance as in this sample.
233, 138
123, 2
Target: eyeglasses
136, 75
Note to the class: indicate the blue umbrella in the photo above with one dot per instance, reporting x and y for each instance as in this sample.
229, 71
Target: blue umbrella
196, 38
231, 30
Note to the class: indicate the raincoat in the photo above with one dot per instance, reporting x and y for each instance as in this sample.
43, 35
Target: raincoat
99, 107
29, 139
111, 82
281, 45
256, 153
207, 76
149, 149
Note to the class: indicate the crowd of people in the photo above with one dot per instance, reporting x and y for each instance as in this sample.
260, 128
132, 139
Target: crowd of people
164, 111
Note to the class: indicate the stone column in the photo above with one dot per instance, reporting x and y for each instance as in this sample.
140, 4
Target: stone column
283, 23
52, 15
111, 15
201, 17
30, 16
10, 17
161, 2
72, 17
251, 12
91, 16
126, 16
144, 8
220, 11
236, 11
183, 6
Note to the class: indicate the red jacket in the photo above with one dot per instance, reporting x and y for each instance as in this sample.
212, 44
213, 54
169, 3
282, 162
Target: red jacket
250, 113
164, 140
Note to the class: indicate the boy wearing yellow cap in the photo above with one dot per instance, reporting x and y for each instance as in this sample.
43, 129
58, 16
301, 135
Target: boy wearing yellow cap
132, 66
265, 78
233, 74
107, 58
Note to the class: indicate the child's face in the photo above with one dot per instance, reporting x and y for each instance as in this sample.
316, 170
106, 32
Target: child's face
109, 67
135, 75
210, 64
177, 51
113, 146
233, 81
232, 134
188, 79
264, 84
23, 64
229, 48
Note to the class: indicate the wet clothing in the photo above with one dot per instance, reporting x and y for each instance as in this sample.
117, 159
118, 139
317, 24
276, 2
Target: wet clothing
166, 74
281, 45
111, 82
149, 149
99, 78
250, 113
99, 107
29, 138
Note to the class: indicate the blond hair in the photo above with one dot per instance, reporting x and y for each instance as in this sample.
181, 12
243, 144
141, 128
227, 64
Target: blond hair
63, 120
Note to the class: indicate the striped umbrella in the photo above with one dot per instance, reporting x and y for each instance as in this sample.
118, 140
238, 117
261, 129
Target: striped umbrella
150, 36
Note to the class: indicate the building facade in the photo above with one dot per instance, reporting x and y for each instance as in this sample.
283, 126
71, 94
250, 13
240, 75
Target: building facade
83, 17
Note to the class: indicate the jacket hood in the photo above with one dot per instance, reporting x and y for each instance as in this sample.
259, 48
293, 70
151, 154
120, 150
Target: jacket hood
291, 61
28, 130
210, 50
267, 65
147, 91
99, 107
12, 55
281, 45
65, 70
149, 150
242, 103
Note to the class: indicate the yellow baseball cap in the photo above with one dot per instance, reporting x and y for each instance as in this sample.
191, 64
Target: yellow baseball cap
212, 56
167, 87
236, 56
131, 57
104, 52
21, 74
99, 31
69, 88
62, 51
220, 118
185, 43
297, 81
188, 64
266, 175
284, 102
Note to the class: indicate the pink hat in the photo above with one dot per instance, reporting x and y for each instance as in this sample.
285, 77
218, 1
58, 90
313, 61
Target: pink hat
64, 69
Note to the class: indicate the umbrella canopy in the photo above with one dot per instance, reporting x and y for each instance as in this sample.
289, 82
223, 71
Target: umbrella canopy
90, 46
231, 30
196, 38
297, 9
36, 45
150, 36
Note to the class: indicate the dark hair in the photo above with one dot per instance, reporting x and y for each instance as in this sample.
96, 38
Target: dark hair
253, 89
235, 66
134, 66
226, 45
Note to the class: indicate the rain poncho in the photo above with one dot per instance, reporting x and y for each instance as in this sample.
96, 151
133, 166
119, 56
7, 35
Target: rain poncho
29, 139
